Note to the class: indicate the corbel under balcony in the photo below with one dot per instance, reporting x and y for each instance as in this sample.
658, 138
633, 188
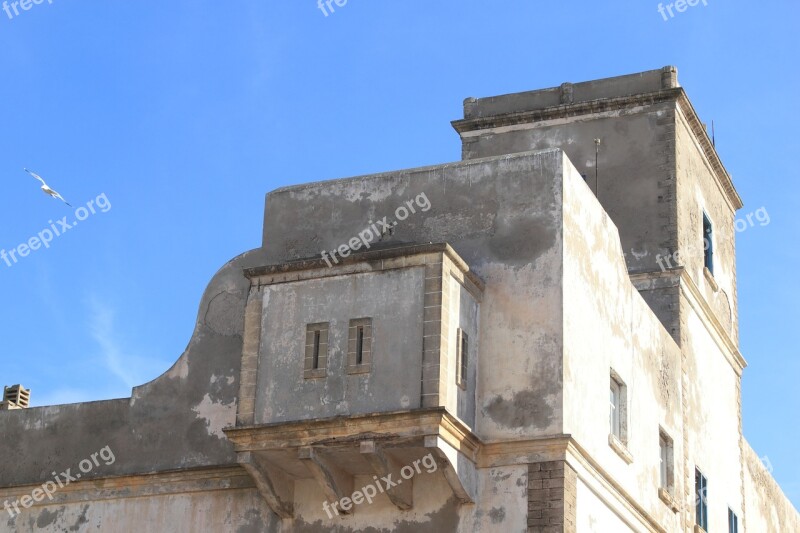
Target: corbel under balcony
391, 446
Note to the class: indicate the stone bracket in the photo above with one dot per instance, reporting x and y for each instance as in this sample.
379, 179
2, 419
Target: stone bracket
401, 495
275, 486
335, 482
458, 470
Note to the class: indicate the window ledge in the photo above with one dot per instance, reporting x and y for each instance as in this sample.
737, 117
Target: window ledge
698, 529
359, 369
710, 279
667, 498
318, 373
619, 447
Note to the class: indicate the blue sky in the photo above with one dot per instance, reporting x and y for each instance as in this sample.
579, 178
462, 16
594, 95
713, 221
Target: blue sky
183, 114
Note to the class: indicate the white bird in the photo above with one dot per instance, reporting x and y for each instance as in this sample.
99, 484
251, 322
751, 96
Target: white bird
46, 188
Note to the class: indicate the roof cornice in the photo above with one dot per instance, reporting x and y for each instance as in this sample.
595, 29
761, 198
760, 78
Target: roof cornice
604, 105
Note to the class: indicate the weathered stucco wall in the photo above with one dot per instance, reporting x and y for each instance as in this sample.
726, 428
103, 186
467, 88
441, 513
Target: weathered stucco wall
635, 162
235, 511
712, 422
767, 507
699, 192
607, 325
502, 216
393, 299
464, 313
632, 172
594, 514
173, 422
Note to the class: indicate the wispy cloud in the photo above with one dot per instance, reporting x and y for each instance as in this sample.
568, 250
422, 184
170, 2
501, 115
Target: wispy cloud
130, 369
116, 367
101, 327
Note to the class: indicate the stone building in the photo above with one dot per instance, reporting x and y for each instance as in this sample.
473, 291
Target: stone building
536, 338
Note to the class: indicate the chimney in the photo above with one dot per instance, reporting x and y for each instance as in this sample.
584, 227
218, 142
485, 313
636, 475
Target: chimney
15, 397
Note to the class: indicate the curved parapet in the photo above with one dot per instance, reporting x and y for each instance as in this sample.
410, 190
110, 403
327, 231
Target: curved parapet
173, 422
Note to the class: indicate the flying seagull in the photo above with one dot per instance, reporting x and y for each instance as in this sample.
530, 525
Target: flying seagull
46, 188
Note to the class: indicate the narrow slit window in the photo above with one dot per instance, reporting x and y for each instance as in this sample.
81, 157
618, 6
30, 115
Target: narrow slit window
663, 462
316, 351
315, 361
462, 347
464, 356
359, 346
708, 243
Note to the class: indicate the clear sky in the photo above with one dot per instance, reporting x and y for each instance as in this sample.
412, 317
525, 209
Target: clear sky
185, 113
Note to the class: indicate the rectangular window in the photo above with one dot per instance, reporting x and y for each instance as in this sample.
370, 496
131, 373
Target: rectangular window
733, 522
618, 418
614, 400
666, 462
316, 351
462, 358
618, 409
701, 502
708, 243
359, 346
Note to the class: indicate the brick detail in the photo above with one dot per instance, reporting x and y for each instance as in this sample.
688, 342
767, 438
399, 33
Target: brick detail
434, 335
552, 497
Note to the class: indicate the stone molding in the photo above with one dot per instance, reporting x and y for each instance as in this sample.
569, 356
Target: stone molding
593, 107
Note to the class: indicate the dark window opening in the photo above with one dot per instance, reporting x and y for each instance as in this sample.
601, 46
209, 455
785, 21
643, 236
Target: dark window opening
701, 502
708, 244
733, 522
360, 346
315, 360
462, 358
317, 336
